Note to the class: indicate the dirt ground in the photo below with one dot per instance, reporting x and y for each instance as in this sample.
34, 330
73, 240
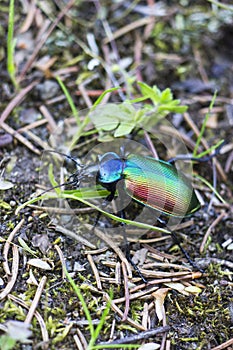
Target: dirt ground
93, 46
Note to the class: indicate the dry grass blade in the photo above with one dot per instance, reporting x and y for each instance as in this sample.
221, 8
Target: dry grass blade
128, 28
53, 125
80, 340
32, 125
31, 12
143, 294
104, 237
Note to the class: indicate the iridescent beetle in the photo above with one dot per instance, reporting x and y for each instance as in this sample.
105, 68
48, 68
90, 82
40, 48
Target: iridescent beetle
153, 183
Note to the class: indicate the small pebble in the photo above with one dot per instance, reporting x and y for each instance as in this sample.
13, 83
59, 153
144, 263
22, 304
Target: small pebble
5, 139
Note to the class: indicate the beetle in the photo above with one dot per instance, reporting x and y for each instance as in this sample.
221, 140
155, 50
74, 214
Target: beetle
153, 183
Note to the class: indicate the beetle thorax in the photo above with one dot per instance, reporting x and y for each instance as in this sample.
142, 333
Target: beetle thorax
111, 168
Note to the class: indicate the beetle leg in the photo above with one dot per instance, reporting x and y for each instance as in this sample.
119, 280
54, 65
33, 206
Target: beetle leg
192, 263
105, 202
200, 160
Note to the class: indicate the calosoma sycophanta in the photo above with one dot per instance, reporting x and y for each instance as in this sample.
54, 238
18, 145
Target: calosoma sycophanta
153, 183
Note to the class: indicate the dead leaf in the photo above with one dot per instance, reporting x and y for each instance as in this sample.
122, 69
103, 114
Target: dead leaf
193, 290
18, 330
159, 296
40, 264
32, 279
177, 286
5, 185
150, 346
140, 256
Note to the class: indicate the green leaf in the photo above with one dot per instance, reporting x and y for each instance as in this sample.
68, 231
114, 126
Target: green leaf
124, 129
166, 96
26, 247
6, 342
147, 91
118, 117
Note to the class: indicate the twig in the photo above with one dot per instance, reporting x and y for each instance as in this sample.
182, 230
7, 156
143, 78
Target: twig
74, 236
120, 313
62, 259
38, 316
208, 232
224, 345
140, 336
126, 288
95, 271
35, 300
8, 244
19, 137
29, 63
14, 273
104, 237
16, 100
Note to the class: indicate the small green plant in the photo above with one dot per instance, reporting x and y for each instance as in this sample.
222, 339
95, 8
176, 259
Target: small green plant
95, 331
70, 100
116, 120
11, 42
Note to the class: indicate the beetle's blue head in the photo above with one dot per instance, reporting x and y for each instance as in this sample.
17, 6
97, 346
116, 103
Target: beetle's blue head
111, 167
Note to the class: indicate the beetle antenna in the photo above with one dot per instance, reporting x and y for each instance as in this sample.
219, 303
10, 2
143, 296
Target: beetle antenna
65, 155
57, 186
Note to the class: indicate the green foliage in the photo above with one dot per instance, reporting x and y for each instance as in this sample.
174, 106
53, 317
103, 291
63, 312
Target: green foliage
6, 342
117, 120
70, 100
